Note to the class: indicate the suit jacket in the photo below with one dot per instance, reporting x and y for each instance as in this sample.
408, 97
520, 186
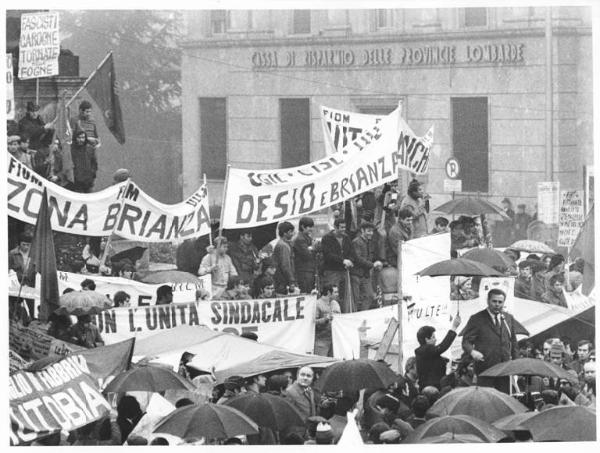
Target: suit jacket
363, 257
495, 345
305, 405
333, 254
431, 366
304, 260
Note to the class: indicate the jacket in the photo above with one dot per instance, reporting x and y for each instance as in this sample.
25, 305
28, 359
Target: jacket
524, 288
363, 256
33, 128
245, 260
283, 256
431, 366
496, 346
417, 208
334, 254
304, 260
396, 233
85, 163
298, 398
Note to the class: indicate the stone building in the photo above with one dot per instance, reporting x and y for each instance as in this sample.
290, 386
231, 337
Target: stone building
253, 81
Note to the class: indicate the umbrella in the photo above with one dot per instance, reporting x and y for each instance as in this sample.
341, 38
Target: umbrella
133, 254
484, 403
471, 207
562, 423
148, 379
513, 422
457, 424
261, 235
356, 374
528, 367
79, 303
169, 277
528, 245
459, 266
267, 410
451, 438
492, 257
207, 420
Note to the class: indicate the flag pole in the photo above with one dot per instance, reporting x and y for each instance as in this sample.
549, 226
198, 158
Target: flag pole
399, 265
88, 79
210, 229
223, 200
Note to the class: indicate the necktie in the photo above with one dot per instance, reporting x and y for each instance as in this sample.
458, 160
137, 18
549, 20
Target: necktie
497, 322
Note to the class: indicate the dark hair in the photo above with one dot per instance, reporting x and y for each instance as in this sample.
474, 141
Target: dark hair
219, 240
276, 383
265, 281
183, 402
32, 106
336, 222
25, 237
420, 405
284, 227
88, 283
23, 138
405, 213
343, 405
584, 342
327, 288
124, 265
129, 407
550, 396
556, 278
162, 291
235, 280
388, 402
524, 264
120, 297
366, 225
293, 439
160, 440
305, 222
496, 292
533, 256
85, 105
376, 430
441, 221
555, 261
424, 333
68, 290
249, 336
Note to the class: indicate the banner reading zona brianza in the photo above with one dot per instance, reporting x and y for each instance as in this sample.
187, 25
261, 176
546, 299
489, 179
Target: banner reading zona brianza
254, 198
123, 209
286, 322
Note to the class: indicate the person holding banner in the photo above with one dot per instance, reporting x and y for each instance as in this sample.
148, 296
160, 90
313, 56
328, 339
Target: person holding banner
219, 265
337, 259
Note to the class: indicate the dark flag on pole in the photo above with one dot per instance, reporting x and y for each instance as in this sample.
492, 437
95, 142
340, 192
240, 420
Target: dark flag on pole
102, 87
43, 261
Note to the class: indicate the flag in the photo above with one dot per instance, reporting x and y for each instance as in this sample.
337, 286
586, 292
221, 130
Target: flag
102, 87
43, 261
584, 248
63, 132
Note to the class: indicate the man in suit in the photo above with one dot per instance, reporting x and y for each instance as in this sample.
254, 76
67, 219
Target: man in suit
490, 338
431, 366
301, 395
337, 257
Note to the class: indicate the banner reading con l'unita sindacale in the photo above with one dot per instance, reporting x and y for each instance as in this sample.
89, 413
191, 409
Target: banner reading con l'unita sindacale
254, 198
285, 322
123, 209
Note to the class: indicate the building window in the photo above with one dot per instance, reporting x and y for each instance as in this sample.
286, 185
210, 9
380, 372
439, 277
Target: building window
213, 137
295, 132
218, 21
383, 18
470, 142
475, 17
301, 21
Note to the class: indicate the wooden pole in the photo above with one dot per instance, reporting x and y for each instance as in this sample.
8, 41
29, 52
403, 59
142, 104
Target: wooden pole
210, 229
37, 91
88, 80
223, 200
399, 263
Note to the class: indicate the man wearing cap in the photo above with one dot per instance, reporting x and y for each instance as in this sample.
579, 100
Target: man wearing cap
414, 201
245, 257
522, 221
490, 338
85, 122
301, 395
32, 126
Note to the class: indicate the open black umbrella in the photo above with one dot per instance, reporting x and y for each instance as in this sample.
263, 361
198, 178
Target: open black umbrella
457, 424
562, 423
451, 438
171, 276
356, 374
459, 266
148, 378
207, 420
529, 367
471, 206
492, 257
133, 254
269, 411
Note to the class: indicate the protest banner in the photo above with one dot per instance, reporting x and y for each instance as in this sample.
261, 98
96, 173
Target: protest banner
341, 127
123, 209
548, 201
33, 343
63, 396
286, 322
10, 91
571, 217
39, 45
254, 198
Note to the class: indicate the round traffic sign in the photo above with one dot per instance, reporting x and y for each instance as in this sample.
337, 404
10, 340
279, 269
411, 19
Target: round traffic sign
452, 168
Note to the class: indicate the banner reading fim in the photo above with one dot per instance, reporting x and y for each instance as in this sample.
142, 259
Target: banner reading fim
341, 127
259, 197
123, 209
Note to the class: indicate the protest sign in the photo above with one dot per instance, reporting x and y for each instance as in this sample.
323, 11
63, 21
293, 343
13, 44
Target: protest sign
39, 45
123, 209
548, 201
287, 322
33, 343
142, 294
256, 198
571, 217
63, 396
10, 91
341, 127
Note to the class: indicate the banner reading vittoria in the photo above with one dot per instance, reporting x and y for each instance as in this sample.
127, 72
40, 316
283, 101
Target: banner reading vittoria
123, 209
259, 197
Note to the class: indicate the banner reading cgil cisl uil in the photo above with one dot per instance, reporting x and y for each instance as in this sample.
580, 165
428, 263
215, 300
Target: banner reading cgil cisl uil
286, 322
254, 198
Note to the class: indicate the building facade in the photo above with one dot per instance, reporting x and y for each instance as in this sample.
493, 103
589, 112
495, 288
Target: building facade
253, 81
